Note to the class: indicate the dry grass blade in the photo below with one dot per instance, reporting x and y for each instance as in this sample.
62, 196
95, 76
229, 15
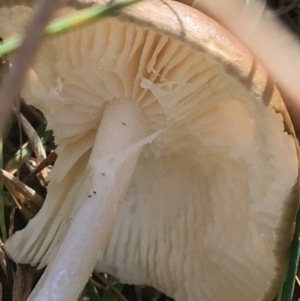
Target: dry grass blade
3, 262
38, 149
34, 139
298, 281
28, 201
3, 228
37, 137
24, 278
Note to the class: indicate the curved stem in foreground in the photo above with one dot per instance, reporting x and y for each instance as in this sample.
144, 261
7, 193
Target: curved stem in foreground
105, 183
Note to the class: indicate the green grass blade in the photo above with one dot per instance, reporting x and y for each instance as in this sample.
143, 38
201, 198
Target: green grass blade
26, 152
289, 284
69, 22
85, 16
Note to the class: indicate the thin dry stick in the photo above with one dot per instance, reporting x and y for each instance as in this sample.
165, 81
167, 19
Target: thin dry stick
111, 287
97, 284
13, 81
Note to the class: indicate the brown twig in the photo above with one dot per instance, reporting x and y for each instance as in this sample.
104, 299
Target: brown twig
14, 79
111, 287
96, 283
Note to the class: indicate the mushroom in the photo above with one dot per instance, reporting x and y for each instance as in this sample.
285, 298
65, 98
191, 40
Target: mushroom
260, 29
177, 160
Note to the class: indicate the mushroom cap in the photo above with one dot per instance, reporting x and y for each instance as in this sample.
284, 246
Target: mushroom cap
210, 208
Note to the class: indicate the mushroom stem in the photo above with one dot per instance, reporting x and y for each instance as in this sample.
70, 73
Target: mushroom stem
105, 183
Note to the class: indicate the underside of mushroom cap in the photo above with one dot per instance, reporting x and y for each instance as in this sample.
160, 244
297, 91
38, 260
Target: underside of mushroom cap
208, 212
